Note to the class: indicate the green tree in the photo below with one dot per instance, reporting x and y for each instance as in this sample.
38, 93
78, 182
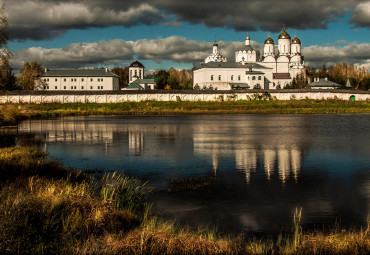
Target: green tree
123, 76
7, 79
364, 83
28, 74
162, 79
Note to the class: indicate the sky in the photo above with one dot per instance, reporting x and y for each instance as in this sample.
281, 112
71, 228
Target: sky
166, 33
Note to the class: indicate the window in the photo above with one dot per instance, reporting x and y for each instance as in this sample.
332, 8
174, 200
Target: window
248, 78
71, 87
91, 79
65, 87
65, 80
232, 77
101, 87
82, 79
82, 87
130, 75
140, 74
71, 79
47, 87
56, 87
259, 78
56, 79
211, 77
254, 78
47, 79
101, 79
98, 87
98, 80
219, 77
239, 78
91, 87
75, 79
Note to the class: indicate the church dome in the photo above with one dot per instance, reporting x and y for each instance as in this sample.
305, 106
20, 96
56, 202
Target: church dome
269, 40
215, 44
296, 40
136, 64
284, 35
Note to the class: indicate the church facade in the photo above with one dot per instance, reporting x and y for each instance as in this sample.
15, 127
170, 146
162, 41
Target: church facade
274, 69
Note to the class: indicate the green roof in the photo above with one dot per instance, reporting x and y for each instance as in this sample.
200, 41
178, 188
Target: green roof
232, 65
324, 83
239, 85
134, 85
79, 73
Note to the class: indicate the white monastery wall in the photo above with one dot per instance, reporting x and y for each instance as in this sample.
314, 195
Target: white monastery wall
179, 96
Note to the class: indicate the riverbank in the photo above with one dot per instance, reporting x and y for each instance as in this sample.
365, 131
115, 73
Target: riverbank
47, 208
10, 114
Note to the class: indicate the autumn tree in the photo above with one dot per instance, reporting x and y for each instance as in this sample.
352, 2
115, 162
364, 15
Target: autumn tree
7, 78
28, 74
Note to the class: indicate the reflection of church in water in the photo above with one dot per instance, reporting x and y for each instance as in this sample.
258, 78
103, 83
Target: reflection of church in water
278, 158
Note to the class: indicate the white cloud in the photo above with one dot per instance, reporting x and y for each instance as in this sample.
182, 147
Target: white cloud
361, 15
174, 48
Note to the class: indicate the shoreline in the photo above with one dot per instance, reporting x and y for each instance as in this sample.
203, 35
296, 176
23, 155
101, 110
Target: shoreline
11, 114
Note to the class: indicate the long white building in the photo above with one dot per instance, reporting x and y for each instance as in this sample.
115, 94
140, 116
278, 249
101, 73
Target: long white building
274, 69
78, 79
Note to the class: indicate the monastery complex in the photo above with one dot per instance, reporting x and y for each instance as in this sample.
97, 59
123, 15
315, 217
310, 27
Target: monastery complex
273, 69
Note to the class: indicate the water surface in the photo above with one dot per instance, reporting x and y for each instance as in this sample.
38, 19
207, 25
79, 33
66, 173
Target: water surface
265, 166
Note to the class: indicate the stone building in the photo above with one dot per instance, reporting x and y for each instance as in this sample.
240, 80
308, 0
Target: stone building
274, 69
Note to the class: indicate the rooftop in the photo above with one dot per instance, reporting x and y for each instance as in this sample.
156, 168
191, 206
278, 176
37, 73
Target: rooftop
79, 73
232, 65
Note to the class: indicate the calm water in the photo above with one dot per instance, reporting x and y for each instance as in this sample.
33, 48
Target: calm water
264, 166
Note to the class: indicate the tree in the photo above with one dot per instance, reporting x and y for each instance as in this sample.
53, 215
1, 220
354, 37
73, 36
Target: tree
123, 76
7, 78
28, 74
162, 79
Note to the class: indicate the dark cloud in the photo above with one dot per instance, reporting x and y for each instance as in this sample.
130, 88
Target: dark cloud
176, 49
43, 19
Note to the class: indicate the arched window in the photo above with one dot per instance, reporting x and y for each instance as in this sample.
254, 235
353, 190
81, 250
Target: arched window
211, 77
254, 78
239, 78
259, 78
219, 77
232, 77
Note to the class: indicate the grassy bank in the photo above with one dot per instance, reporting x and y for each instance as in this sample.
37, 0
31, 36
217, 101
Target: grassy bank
48, 209
13, 112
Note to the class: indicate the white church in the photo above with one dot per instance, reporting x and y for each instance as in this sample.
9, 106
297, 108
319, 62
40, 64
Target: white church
275, 69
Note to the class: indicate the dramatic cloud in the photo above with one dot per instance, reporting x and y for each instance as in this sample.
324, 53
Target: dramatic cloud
361, 15
357, 54
176, 49
42, 19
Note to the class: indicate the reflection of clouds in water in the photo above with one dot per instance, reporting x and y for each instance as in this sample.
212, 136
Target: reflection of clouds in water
249, 222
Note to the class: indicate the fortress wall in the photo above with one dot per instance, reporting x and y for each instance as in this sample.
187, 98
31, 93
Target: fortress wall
156, 95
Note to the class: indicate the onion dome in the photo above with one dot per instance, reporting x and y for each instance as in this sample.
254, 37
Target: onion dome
296, 40
284, 34
136, 64
269, 40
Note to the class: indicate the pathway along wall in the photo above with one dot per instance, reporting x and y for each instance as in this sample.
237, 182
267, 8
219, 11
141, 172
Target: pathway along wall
39, 97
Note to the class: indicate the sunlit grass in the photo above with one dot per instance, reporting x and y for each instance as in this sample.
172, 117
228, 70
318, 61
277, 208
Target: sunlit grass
12, 113
47, 209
